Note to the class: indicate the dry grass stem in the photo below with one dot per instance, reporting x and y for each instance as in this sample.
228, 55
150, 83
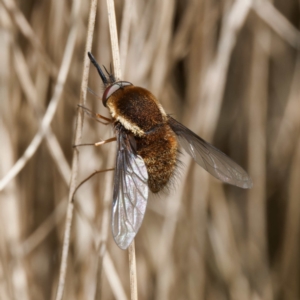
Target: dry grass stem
278, 22
32, 97
211, 104
228, 70
113, 278
37, 237
45, 123
292, 227
132, 272
78, 133
114, 38
118, 75
125, 29
27, 31
257, 157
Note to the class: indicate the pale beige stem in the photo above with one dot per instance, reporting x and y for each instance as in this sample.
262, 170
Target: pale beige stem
118, 75
84, 82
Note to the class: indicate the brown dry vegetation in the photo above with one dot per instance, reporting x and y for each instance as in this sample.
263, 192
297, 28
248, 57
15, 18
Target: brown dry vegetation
230, 71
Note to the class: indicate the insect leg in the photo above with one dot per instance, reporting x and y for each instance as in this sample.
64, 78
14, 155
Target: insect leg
105, 142
97, 144
96, 116
89, 177
94, 93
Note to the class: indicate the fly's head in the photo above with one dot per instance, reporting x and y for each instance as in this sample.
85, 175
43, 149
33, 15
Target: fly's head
110, 83
134, 107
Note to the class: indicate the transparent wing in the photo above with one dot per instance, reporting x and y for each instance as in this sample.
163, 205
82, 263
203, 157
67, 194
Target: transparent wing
210, 158
130, 191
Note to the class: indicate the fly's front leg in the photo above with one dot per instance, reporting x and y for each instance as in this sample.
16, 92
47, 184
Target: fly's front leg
96, 116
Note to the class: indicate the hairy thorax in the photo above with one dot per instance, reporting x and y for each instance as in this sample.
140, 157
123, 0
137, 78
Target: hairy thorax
142, 115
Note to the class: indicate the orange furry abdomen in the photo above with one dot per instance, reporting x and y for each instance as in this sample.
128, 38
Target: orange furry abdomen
159, 149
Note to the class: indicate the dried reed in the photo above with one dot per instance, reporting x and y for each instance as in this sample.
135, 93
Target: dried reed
229, 70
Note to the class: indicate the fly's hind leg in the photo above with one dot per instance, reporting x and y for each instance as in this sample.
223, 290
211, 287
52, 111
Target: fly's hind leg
88, 178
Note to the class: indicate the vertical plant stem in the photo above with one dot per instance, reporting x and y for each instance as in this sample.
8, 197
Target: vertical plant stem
118, 75
114, 38
125, 29
79, 124
132, 272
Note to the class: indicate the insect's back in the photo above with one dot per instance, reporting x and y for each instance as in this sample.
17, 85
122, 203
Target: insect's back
159, 151
141, 114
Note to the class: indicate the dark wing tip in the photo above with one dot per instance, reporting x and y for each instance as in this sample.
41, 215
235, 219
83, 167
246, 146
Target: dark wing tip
210, 158
248, 184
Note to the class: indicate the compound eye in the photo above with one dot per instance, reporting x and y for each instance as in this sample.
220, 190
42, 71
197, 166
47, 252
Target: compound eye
111, 89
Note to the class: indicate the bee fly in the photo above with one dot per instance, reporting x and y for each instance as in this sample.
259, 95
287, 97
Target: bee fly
148, 143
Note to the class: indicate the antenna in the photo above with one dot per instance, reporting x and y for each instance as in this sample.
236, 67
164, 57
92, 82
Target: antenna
94, 62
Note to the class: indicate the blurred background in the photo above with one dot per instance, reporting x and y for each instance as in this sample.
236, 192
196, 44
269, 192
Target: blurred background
228, 70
